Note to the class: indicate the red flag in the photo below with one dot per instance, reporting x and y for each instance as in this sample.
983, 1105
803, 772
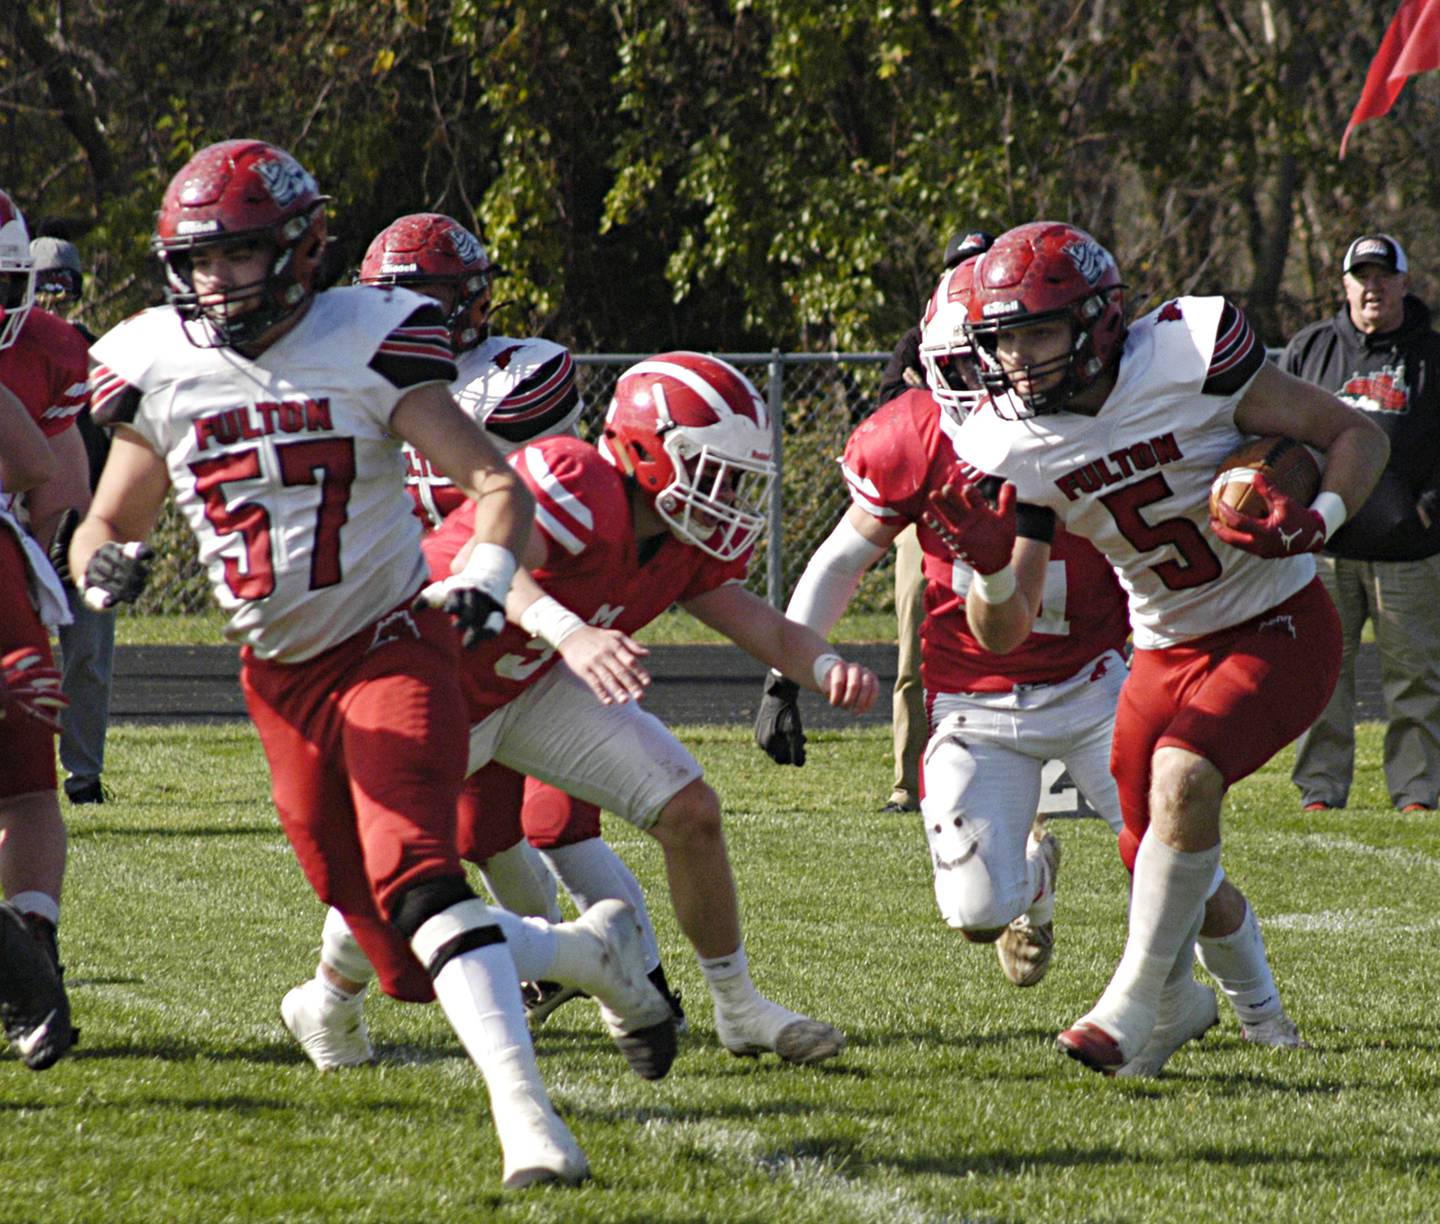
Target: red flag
1410, 45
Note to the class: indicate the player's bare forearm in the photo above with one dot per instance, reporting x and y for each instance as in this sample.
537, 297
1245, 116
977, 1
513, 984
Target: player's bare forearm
504, 510
1356, 449
1001, 627
25, 458
789, 647
429, 419
127, 500
1354, 462
67, 489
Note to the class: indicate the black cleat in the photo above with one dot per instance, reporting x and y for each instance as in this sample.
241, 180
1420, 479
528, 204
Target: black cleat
33, 1005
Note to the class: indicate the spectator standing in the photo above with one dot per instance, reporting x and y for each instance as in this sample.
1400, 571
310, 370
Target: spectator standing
87, 644
1380, 354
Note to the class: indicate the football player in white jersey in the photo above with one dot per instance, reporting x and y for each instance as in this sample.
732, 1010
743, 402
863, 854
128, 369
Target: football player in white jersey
1116, 431
996, 719
275, 413
518, 391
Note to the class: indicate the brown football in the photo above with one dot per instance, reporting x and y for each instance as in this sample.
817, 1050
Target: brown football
1288, 465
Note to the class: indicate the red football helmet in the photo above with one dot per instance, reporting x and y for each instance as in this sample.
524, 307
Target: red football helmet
1041, 271
945, 350
693, 434
431, 248
241, 191
17, 272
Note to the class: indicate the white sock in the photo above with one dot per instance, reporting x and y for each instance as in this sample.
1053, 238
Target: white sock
1042, 891
520, 881
479, 991
1241, 969
1183, 970
341, 951
42, 905
1166, 903
337, 996
591, 871
728, 978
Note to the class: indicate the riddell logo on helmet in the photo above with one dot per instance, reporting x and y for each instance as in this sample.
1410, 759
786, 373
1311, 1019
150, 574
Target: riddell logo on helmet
1090, 259
285, 180
991, 309
197, 227
393, 267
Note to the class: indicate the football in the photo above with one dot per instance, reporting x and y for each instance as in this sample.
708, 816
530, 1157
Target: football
1288, 465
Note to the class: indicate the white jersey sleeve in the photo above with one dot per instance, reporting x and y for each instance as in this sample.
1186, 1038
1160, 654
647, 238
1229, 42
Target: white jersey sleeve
283, 466
1135, 478
519, 390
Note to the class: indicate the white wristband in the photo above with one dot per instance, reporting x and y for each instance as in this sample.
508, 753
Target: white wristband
994, 588
821, 668
1330, 507
550, 619
489, 568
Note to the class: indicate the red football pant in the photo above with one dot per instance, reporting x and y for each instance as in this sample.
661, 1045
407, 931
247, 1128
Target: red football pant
26, 748
1235, 698
499, 806
366, 761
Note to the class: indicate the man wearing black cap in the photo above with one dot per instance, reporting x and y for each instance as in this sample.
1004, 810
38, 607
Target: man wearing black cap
1379, 354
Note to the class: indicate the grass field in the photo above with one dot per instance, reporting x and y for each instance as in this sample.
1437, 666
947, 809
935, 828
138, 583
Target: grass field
186, 920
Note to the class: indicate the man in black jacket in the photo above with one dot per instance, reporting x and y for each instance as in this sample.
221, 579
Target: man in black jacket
1380, 355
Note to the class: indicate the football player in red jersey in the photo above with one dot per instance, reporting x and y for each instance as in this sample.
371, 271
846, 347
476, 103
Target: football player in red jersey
517, 391
666, 510
43, 367
275, 414
1114, 432
996, 719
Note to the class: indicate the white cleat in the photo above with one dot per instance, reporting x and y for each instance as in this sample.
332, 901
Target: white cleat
537, 1145
331, 1034
759, 1026
636, 1014
1277, 1033
1186, 1014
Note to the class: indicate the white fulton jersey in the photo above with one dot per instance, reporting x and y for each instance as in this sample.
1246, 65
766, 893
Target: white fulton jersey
517, 391
1135, 478
283, 465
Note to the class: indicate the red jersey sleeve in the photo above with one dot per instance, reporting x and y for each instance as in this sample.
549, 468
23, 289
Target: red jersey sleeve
48, 370
579, 498
886, 465
711, 573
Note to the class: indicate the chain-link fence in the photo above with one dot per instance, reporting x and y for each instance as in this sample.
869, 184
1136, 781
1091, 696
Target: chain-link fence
815, 400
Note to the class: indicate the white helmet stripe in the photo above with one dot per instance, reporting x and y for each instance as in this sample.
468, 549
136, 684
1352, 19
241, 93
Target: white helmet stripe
701, 386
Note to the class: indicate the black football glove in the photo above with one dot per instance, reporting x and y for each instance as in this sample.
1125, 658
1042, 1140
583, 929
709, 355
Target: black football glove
777, 723
477, 615
117, 573
60, 545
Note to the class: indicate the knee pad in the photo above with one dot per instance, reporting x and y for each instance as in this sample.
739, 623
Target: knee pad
421, 902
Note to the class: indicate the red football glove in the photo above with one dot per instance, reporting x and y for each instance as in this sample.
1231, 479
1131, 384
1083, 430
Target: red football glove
979, 536
1287, 531
31, 688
